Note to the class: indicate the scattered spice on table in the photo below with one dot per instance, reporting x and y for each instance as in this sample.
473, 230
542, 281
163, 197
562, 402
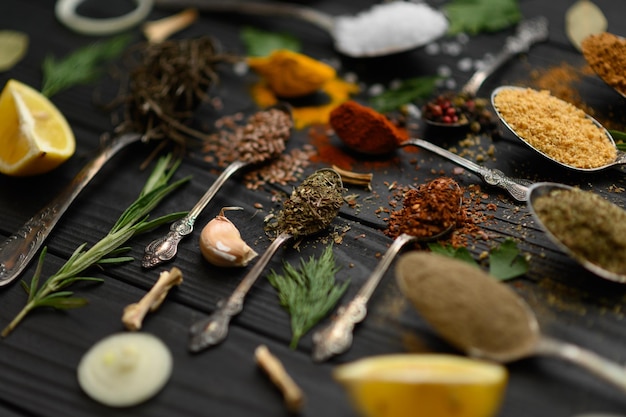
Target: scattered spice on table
364, 129
291, 74
555, 127
590, 226
606, 54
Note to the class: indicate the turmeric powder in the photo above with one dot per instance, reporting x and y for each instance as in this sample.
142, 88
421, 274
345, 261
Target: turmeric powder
291, 74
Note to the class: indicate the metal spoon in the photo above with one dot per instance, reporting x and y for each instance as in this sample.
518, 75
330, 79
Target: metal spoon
336, 337
214, 329
545, 188
480, 335
18, 250
323, 21
528, 33
620, 158
164, 248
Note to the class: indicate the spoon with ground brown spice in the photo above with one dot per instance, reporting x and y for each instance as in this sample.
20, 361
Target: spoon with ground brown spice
606, 55
311, 208
429, 212
484, 317
556, 129
378, 136
260, 140
584, 225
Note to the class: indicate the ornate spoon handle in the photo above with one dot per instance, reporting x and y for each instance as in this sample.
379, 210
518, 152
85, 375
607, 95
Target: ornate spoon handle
214, 329
336, 337
17, 251
528, 32
495, 177
165, 248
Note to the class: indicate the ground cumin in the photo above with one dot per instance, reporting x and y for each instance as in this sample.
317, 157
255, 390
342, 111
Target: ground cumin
606, 54
465, 305
555, 127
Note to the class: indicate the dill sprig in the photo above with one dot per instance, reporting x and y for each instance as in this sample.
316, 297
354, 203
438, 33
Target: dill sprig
82, 66
133, 220
309, 292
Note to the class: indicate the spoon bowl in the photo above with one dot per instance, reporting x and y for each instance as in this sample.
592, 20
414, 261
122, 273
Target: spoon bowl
501, 327
620, 156
375, 39
560, 239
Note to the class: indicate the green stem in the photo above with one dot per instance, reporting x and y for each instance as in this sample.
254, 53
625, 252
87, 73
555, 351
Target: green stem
18, 318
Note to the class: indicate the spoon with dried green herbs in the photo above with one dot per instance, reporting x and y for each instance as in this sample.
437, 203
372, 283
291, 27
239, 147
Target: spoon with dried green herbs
428, 213
260, 140
169, 81
312, 206
484, 317
556, 129
584, 225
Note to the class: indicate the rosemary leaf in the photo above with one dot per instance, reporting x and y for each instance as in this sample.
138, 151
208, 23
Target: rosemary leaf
309, 292
131, 222
82, 66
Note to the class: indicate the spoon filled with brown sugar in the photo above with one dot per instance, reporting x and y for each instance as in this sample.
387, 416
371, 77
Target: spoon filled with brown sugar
429, 212
484, 317
556, 129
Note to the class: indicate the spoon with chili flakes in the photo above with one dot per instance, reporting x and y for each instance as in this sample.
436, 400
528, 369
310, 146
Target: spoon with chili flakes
429, 212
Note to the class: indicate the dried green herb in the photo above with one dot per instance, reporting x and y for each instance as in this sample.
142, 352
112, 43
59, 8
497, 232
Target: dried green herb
262, 43
404, 93
309, 292
134, 220
476, 16
83, 66
505, 260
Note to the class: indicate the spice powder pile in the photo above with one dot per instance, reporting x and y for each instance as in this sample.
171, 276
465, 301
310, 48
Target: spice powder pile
606, 54
555, 127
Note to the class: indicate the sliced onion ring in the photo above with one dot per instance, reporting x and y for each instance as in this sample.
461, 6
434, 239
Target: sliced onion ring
65, 11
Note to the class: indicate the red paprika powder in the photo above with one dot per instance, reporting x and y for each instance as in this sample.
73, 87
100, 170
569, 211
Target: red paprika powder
365, 130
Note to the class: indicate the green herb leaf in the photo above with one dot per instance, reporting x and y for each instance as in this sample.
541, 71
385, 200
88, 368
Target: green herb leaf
619, 138
476, 16
309, 292
406, 92
83, 66
131, 222
506, 262
262, 43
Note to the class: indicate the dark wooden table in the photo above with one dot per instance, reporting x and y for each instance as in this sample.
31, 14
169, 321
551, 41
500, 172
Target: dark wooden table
38, 361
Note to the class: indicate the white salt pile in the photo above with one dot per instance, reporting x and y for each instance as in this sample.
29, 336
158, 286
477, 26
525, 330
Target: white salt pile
389, 27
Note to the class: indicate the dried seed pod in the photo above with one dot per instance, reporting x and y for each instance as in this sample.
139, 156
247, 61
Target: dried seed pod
221, 243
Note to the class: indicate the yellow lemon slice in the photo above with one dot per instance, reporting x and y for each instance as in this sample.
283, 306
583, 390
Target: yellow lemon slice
423, 385
34, 136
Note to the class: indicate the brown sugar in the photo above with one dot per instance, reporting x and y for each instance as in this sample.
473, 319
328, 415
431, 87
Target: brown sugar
606, 54
555, 127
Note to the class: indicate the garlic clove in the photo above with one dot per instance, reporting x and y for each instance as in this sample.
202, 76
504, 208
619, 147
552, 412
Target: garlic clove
221, 243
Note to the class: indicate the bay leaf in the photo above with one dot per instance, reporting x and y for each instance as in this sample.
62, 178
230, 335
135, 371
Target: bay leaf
13, 47
582, 19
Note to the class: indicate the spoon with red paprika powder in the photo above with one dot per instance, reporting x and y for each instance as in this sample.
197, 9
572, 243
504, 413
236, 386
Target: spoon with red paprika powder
367, 131
428, 213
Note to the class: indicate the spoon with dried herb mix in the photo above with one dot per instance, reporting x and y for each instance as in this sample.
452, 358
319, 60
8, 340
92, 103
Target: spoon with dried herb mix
312, 206
584, 225
429, 212
484, 317
260, 140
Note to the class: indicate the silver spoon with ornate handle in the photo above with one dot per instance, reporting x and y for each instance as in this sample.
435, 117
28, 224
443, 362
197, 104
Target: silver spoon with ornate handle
18, 250
311, 208
336, 337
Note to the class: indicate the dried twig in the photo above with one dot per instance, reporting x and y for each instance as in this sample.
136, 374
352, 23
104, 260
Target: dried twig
135, 313
355, 178
159, 30
292, 394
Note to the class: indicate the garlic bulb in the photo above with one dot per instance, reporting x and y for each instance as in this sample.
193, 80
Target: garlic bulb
221, 243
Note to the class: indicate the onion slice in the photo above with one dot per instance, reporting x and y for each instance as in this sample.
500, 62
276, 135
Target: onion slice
65, 11
125, 369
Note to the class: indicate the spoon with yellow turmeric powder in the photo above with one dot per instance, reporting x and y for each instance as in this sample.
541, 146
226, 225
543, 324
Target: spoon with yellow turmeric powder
384, 29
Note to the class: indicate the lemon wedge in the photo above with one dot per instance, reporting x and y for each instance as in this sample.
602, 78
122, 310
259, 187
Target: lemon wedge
423, 385
35, 137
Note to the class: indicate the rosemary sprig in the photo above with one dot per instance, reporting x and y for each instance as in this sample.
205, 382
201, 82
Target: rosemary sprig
81, 66
309, 292
133, 220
